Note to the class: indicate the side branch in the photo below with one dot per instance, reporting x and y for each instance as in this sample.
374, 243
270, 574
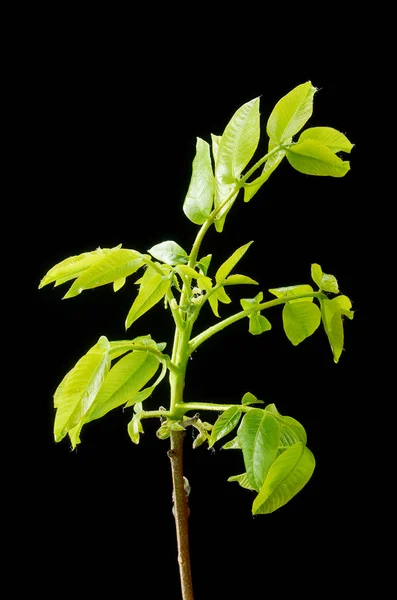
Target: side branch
205, 335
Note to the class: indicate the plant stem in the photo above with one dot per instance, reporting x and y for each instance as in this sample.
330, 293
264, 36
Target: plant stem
181, 513
186, 406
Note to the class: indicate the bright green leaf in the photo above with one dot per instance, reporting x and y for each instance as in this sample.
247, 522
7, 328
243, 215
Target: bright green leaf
152, 289
291, 113
164, 431
242, 480
186, 270
204, 263
258, 324
200, 196
112, 267
293, 290
118, 284
222, 296
238, 143
291, 431
135, 428
169, 252
288, 474
333, 139
142, 395
123, 382
234, 444
249, 398
239, 280
139, 343
300, 320
311, 157
72, 267
325, 282
225, 423
231, 262
332, 312
79, 388
259, 437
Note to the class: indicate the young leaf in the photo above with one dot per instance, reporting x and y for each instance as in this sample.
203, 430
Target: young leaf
242, 480
204, 263
238, 143
311, 157
135, 428
258, 324
286, 477
259, 437
300, 320
79, 388
291, 113
333, 139
332, 312
225, 423
325, 282
200, 196
123, 383
234, 444
291, 431
164, 431
251, 188
186, 270
222, 296
118, 284
152, 289
170, 253
112, 267
230, 263
293, 290
239, 280
139, 343
249, 398
72, 267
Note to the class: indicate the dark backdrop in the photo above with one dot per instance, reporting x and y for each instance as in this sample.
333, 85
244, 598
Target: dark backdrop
109, 137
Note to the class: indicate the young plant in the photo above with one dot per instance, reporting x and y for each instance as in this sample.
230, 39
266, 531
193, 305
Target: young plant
112, 374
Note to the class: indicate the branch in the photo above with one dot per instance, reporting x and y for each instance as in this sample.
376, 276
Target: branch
205, 335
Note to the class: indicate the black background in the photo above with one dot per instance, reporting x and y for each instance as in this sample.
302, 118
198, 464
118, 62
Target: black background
108, 136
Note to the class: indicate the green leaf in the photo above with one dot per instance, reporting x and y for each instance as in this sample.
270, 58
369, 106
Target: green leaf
142, 395
311, 157
135, 428
238, 143
231, 262
78, 389
242, 480
111, 267
118, 284
249, 398
234, 444
258, 324
286, 477
325, 282
293, 290
204, 263
72, 267
333, 139
332, 312
139, 343
300, 320
225, 423
291, 431
186, 270
259, 437
200, 196
222, 296
123, 382
152, 289
291, 113
169, 252
164, 431
239, 280
251, 188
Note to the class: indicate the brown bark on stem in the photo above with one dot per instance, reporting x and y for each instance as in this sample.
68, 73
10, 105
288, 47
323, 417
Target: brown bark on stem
181, 513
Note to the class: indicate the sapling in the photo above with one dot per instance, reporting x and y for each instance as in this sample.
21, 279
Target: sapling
125, 373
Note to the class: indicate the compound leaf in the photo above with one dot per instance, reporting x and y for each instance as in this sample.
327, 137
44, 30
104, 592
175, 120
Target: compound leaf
291, 113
